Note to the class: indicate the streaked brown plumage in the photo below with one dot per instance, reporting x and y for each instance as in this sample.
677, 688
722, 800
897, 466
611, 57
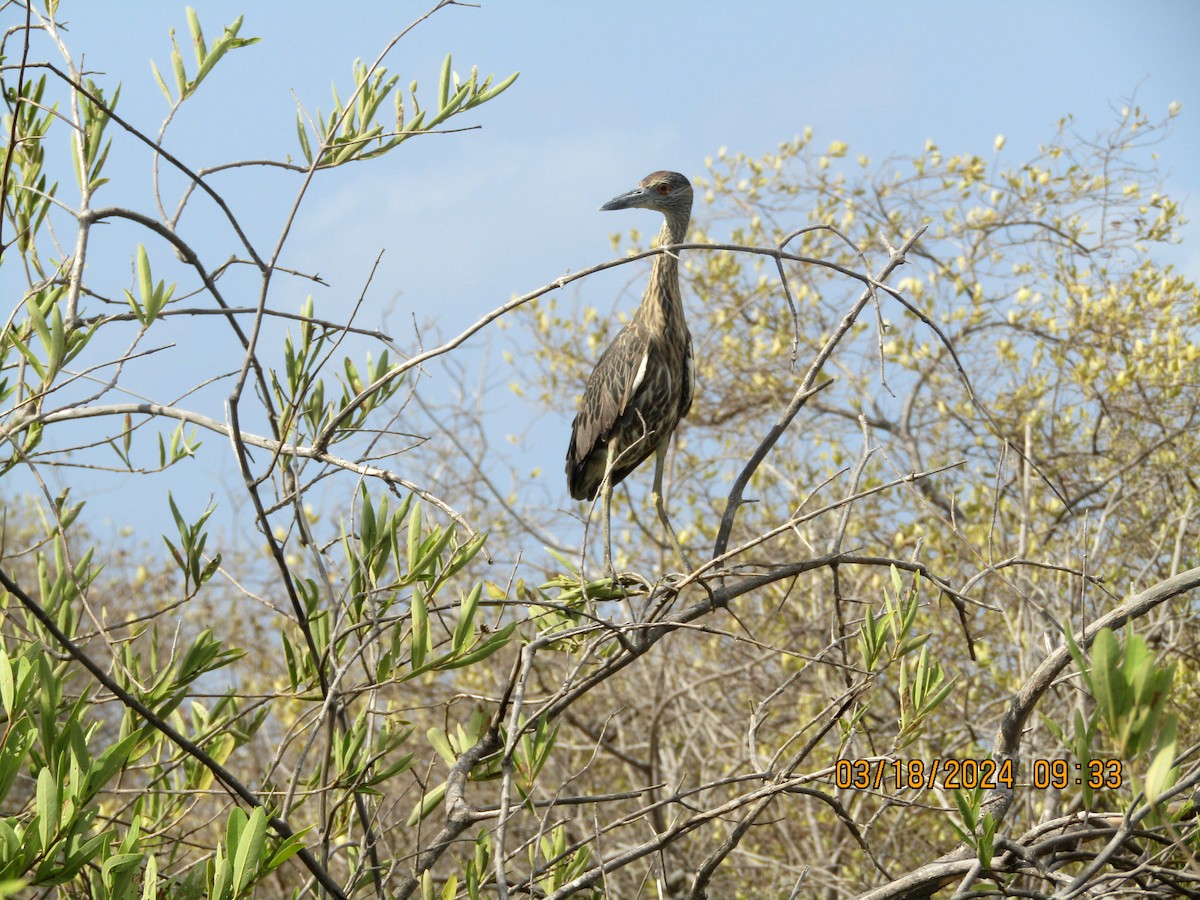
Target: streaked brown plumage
642, 385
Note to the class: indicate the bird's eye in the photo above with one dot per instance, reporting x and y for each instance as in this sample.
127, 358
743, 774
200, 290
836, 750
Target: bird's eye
663, 188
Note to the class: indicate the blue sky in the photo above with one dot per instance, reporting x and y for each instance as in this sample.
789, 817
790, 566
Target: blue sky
608, 92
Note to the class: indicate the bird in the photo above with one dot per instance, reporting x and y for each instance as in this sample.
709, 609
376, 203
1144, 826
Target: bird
643, 383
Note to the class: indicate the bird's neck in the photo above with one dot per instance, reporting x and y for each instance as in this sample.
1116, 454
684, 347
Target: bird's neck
674, 229
662, 305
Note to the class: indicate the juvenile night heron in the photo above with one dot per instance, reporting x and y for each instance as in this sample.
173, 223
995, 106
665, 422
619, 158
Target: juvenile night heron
642, 385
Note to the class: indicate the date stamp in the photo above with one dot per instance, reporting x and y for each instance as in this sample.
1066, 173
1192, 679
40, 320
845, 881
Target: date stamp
919, 774
972, 774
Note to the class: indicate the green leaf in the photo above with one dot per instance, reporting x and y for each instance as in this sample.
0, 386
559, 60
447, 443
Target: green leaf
499, 89
37, 318
228, 41
414, 536
1162, 773
440, 743
162, 84
219, 868
181, 81
985, 847
120, 862
569, 565
912, 643
138, 313
463, 555
107, 764
366, 520
430, 550
145, 281
249, 849
29, 355
197, 36
1106, 680
464, 629
302, 133
494, 643
420, 630
150, 879
7, 687
48, 808
285, 851
428, 804
444, 83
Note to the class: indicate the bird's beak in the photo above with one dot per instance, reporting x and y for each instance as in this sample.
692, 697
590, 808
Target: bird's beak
628, 200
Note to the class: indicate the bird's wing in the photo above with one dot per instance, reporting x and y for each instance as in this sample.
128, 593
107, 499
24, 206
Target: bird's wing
689, 382
610, 391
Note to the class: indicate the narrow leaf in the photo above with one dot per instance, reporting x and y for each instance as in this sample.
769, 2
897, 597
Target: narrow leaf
162, 84
444, 83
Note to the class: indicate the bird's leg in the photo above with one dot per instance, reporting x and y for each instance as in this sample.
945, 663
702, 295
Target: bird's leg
660, 455
606, 489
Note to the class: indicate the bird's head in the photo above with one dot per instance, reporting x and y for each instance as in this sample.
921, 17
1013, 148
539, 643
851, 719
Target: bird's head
667, 192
